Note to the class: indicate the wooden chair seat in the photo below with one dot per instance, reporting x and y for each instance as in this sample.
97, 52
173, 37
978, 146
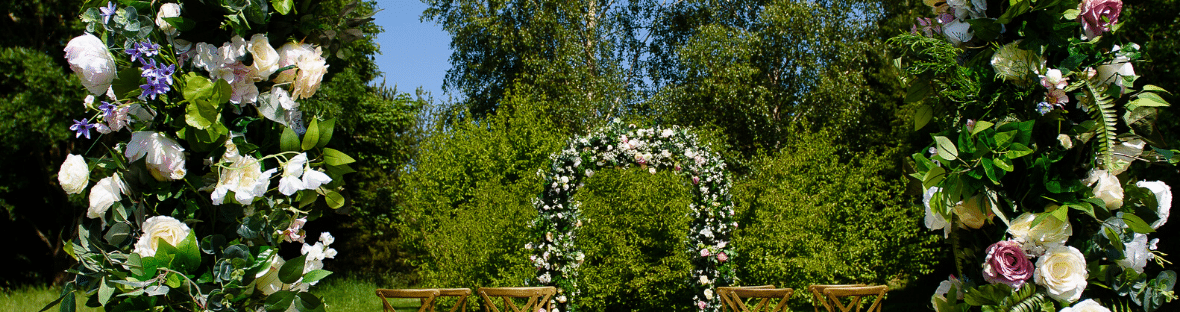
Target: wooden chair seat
739, 295
427, 297
537, 298
856, 293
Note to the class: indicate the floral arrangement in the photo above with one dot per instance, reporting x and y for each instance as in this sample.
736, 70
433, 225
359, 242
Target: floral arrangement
1042, 167
555, 252
194, 118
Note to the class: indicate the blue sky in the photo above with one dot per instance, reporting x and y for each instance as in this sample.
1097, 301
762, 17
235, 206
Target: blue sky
413, 53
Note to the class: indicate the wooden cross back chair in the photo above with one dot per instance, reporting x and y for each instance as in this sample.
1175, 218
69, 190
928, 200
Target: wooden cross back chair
727, 302
537, 298
427, 297
856, 293
738, 298
817, 292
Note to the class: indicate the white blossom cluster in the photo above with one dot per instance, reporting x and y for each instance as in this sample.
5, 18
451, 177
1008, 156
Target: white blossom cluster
555, 255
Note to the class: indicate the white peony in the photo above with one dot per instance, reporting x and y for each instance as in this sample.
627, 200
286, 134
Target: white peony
1106, 187
1062, 271
92, 62
266, 59
312, 68
1163, 197
290, 54
1136, 254
232, 51
165, 157
104, 194
160, 228
74, 175
167, 10
1049, 233
1088, 305
244, 176
267, 280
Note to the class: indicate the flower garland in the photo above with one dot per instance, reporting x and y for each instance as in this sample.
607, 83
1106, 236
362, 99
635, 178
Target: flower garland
1065, 191
555, 252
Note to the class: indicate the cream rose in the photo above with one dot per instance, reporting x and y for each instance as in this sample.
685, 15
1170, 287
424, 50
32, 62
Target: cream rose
1062, 271
268, 281
1088, 305
1106, 187
74, 175
974, 212
104, 194
266, 59
159, 228
164, 157
92, 62
289, 54
167, 10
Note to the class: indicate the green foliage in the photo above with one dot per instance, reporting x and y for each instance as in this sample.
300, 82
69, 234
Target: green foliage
467, 202
809, 218
634, 240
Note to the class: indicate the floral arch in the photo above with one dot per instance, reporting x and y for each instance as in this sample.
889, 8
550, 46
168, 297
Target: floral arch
555, 253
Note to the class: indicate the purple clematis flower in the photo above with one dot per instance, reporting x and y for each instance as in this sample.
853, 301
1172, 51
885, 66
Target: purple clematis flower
107, 108
141, 51
107, 12
81, 128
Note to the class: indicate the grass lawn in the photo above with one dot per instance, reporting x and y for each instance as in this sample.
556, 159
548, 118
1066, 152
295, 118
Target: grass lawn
340, 294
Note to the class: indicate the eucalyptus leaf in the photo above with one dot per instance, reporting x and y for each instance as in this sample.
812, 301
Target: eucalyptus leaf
118, 233
105, 291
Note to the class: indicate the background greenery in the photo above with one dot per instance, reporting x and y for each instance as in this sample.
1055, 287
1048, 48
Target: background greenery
800, 97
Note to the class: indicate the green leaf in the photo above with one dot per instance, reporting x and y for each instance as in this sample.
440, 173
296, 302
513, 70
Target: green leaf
985, 29
68, 303
118, 233
327, 127
991, 294
289, 142
1102, 110
201, 114
180, 23
923, 116
990, 169
1154, 88
308, 302
282, 6
334, 199
189, 253
315, 275
1147, 99
280, 301
333, 157
292, 270
980, 126
1018, 150
1018, 7
172, 280
946, 148
312, 137
1071, 14
1137, 224
105, 291
933, 177
1003, 139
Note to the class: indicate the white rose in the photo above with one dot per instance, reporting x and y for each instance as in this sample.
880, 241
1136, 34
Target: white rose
266, 59
1088, 305
268, 281
74, 175
974, 212
207, 57
232, 51
1163, 197
1062, 270
166, 11
165, 157
934, 221
92, 62
104, 194
158, 228
708, 294
243, 176
1136, 254
1065, 141
1120, 66
704, 280
1106, 187
312, 68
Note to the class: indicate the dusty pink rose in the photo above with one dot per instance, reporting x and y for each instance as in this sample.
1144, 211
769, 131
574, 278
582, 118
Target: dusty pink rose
721, 256
705, 252
1098, 15
1006, 263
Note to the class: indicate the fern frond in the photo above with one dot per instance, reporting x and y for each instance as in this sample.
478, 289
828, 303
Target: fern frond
1102, 110
1032, 303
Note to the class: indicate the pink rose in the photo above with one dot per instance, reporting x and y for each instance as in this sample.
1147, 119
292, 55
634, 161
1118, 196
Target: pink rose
1096, 14
1006, 263
705, 252
702, 305
721, 256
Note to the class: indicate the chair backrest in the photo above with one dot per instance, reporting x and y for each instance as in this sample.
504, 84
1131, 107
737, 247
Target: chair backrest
537, 298
426, 295
817, 292
723, 292
739, 295
856, 293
